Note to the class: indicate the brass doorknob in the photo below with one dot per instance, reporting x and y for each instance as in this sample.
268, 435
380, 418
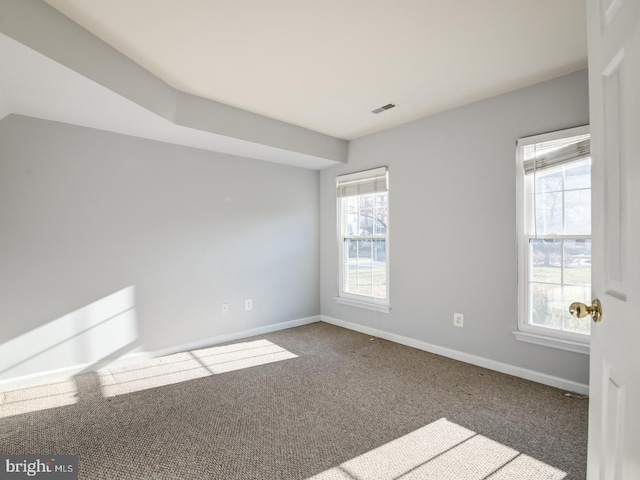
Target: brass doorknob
580, 310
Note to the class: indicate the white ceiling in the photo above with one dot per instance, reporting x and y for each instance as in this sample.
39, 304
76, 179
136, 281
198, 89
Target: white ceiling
325, 64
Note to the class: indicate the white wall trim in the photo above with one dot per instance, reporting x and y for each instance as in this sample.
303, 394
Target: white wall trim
59, 374
377, 307
52, 376
553, 342
230, 337
524, 373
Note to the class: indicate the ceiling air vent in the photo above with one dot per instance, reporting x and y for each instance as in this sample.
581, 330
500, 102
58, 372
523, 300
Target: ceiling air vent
388, 106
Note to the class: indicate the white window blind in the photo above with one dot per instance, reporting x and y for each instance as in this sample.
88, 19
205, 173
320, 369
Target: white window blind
557, 152
542, 156
361, 183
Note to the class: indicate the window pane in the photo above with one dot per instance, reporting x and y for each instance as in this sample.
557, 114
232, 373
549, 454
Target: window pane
550, 307
365, 267
364, 248
549, 180
561, 274
381, 214
549, 213
577, 175
357, 268
577, 262
546, 309
381, 223
546, 260
577, 212
366, 215
350, 206
379, 267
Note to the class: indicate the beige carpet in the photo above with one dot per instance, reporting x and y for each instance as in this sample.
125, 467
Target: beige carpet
315, 402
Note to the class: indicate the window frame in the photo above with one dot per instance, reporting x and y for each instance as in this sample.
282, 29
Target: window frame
575, 342
348, 298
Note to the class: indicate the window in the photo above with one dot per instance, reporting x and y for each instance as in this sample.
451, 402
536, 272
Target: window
363, 229
554, 208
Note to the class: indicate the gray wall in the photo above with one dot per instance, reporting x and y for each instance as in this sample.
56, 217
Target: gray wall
139, 242
171, 231
453, 224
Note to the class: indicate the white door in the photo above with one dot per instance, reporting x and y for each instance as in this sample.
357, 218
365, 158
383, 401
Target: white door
614, 81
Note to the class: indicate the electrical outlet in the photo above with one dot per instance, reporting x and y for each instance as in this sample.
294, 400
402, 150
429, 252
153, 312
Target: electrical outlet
458, 320
224, 308
248, 304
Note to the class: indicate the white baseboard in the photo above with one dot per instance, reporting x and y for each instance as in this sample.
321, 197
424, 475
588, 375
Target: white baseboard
230, 337
532, 375
63, 373
52, 376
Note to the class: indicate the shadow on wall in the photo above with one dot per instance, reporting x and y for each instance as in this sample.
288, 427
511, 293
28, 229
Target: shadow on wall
76, 342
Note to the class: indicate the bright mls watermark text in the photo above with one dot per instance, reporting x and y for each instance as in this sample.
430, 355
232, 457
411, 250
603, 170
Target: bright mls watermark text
49, 467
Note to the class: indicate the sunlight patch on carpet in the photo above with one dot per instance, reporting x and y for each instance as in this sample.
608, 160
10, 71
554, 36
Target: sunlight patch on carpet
442, 450
185, 366
42, 397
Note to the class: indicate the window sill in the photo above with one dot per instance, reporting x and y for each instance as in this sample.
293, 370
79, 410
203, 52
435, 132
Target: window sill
553, 342
369, 306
